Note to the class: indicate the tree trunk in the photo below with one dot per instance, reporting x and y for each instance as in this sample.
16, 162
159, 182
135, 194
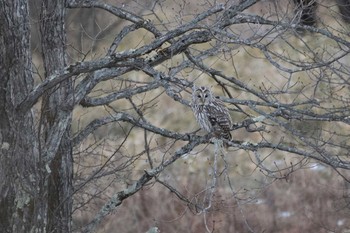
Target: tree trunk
19, 146
35, 155
54, 109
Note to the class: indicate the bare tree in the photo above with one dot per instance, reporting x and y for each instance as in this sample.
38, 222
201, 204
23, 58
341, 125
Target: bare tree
95, 126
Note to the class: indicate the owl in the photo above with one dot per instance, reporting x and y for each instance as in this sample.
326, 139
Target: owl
211, 113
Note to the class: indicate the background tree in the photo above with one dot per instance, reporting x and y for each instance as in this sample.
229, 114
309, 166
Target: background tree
96, 125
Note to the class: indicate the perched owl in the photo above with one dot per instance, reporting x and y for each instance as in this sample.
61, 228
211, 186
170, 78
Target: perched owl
211, 113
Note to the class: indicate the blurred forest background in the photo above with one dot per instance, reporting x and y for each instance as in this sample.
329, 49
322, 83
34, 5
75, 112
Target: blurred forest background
287, 171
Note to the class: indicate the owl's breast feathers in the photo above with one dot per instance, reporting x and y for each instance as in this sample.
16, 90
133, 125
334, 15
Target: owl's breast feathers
202, 118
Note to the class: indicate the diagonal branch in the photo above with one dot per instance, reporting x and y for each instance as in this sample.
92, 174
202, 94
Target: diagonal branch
137, 122
117, 199
125, 93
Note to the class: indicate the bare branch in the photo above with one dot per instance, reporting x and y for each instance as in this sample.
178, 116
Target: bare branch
118, 197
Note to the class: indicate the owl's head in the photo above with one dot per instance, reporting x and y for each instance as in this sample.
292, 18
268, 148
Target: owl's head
201, 95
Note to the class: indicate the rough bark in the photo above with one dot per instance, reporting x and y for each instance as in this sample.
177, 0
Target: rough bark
18, 171
35, 161
56, 110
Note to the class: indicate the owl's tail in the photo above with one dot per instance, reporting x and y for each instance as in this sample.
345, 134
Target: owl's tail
227, 136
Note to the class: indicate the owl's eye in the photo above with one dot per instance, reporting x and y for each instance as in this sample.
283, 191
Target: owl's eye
206, 96
199, 96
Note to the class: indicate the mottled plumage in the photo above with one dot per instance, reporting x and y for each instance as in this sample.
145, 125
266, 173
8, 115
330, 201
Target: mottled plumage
211, 113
